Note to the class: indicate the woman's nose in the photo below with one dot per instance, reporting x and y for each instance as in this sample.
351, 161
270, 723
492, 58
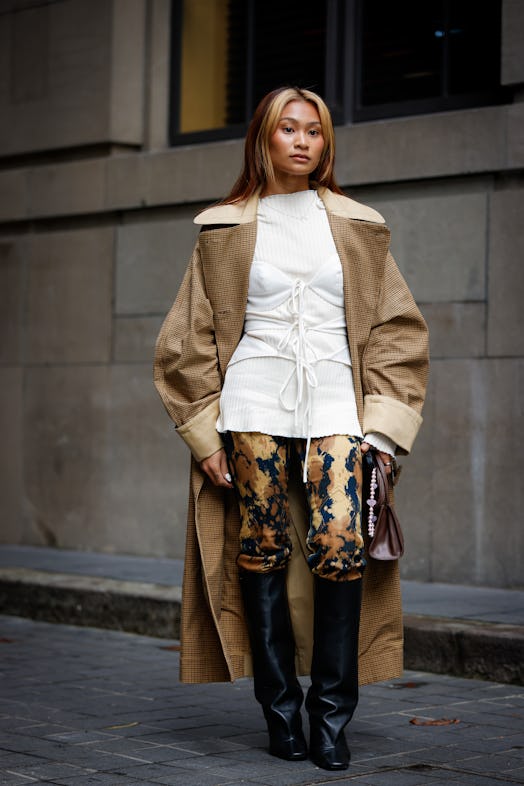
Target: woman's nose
301, 139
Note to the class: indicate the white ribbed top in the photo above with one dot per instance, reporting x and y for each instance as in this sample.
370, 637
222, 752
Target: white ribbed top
291, 372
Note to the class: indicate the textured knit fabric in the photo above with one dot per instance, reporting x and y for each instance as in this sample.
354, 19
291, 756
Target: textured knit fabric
291, 372
389, 350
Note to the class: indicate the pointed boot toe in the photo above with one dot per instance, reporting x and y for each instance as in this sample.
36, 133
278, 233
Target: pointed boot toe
330, 757
292, 748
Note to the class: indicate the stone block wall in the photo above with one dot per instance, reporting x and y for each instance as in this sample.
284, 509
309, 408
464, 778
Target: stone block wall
71, 74
459, 246
93, 247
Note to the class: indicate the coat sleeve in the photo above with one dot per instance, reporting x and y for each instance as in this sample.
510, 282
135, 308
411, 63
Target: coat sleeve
186, 372
395, 363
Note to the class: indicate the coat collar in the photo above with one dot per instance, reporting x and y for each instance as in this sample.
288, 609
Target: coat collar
246, 211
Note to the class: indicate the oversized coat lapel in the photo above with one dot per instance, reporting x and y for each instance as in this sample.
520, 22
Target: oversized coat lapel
362, 248
227, 255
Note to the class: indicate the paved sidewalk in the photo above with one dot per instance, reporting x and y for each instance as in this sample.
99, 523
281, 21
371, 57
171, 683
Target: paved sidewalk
147, 570
82, 706
420, 598
466, 631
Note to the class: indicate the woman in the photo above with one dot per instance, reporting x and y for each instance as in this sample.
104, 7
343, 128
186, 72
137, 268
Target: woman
293, 337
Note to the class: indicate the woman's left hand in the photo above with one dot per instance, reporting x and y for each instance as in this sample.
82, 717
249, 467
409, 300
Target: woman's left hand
386, 458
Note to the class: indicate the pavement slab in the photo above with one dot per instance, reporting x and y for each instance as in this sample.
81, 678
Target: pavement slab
81, 706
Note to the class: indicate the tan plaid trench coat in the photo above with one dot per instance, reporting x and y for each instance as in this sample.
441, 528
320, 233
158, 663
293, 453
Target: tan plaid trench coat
389, 351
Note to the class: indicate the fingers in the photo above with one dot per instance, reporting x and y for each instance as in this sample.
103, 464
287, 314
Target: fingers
386, 459
217, 476
216, 469
224, 470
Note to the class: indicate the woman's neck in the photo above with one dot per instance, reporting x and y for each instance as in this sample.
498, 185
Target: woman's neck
286, 185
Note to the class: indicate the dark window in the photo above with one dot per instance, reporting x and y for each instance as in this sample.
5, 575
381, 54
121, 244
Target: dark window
418, 56
367, 58
227, 54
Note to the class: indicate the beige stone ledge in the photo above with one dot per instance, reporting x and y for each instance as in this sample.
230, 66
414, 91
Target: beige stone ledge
125, 178
433, 145
66, 189
448, 144
13, 194
192, 174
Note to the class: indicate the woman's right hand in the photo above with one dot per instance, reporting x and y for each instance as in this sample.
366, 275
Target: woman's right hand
215, 467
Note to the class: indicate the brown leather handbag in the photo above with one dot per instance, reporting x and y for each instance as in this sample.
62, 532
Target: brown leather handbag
383, 527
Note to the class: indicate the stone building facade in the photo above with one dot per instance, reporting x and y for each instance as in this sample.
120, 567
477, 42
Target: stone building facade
95, 231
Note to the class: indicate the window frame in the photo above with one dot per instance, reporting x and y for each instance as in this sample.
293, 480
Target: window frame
343, 79
423, 106
176, 137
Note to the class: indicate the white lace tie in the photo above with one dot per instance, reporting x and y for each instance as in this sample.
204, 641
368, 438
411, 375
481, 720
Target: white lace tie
295, 339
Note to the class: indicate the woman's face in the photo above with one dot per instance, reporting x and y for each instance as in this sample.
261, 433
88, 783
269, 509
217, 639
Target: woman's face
297, 143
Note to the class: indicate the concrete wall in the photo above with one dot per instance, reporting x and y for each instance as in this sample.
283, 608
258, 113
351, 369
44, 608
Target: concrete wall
93, 247
71, 74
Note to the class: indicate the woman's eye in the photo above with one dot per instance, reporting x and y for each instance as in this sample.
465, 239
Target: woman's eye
287, 129
314, 132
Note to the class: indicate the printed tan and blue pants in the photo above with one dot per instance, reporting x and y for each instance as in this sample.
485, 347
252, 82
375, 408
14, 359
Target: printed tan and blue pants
259, 465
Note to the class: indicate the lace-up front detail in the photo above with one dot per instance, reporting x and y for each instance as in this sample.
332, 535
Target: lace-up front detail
291, 372
305, 325
295, 339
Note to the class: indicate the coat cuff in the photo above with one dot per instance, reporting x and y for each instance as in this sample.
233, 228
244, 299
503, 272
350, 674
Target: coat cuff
392, 418
200, 433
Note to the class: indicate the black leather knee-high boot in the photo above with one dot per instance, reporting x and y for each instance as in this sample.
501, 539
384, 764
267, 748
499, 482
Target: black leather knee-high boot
333, 695
273, 651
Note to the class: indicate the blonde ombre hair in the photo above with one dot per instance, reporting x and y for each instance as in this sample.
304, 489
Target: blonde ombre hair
258, 167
